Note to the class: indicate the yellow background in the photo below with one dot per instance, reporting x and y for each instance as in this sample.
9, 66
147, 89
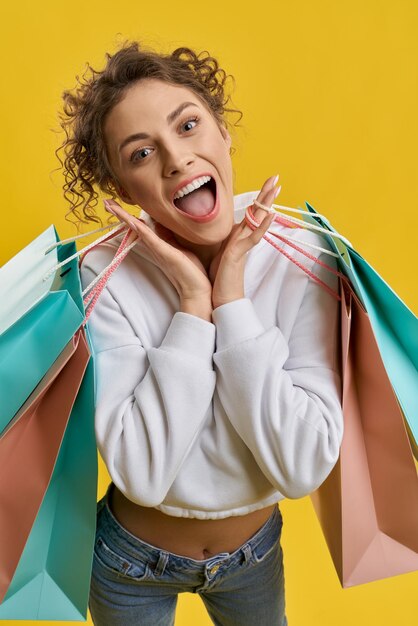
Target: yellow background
329, 92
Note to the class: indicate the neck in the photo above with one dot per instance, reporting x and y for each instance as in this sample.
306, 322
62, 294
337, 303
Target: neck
205, 254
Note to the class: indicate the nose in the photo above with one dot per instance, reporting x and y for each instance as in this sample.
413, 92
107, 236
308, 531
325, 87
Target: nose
177, 160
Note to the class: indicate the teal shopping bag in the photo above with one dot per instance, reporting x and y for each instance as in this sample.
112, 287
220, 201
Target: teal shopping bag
52, 579
38, 317
394, 325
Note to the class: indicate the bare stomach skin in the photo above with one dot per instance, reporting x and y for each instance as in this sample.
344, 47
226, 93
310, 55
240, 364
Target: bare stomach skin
190, 537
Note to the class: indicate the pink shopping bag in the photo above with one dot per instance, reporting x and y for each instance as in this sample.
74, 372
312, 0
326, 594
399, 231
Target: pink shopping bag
368, 505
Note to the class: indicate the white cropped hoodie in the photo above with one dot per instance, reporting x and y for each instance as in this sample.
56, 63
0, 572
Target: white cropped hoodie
212, 419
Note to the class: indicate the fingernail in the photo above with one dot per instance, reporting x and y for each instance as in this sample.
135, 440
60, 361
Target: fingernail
132, 225
108, 207
277, 191
275, 180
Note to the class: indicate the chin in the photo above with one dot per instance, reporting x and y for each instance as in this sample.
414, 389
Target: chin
221, 233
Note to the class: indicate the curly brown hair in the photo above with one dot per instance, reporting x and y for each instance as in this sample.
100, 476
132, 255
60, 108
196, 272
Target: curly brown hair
85, 108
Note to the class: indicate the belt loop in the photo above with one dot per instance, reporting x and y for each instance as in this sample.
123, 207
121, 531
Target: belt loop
162, 562
247, 552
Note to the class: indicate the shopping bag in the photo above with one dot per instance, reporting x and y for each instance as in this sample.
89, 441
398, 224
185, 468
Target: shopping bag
52, 580
50, 457
34, 436
394, 325
38, 317
368, 505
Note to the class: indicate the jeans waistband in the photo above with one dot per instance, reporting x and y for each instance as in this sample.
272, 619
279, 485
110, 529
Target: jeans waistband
115, 532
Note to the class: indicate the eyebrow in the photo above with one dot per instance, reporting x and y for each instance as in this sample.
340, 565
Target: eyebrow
171, 117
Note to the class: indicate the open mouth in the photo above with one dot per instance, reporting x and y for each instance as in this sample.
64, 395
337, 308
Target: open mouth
199, 202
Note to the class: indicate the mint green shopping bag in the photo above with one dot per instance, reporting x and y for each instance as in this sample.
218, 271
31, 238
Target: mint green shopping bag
394, 325
38, 317
52, 580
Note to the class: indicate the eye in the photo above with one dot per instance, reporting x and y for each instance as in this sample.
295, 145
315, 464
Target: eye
135, 156
138, 155
189, 121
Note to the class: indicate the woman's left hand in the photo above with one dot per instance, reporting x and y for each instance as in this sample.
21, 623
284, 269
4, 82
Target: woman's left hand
226, 271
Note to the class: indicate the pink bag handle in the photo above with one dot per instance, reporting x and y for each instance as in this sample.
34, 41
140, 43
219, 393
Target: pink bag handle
282, 220
91, 298
101, 240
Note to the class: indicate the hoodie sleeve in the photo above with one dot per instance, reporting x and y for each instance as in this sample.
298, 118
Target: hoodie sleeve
284, 397
151, 404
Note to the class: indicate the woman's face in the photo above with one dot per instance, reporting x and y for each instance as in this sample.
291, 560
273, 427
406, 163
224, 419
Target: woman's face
150, 169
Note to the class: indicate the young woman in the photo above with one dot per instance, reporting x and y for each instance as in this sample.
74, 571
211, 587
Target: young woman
218, 386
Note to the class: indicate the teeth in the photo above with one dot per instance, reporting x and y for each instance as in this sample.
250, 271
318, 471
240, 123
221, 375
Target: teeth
198, 182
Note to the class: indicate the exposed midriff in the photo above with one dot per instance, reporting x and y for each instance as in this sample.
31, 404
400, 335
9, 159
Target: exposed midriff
190, 537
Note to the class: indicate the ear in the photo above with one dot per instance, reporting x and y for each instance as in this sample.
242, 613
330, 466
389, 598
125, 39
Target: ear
225, 134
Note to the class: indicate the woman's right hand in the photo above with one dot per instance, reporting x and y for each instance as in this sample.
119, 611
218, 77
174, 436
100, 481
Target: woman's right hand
181, 266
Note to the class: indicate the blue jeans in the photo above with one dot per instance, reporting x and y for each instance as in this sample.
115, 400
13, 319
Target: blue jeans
137, 584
